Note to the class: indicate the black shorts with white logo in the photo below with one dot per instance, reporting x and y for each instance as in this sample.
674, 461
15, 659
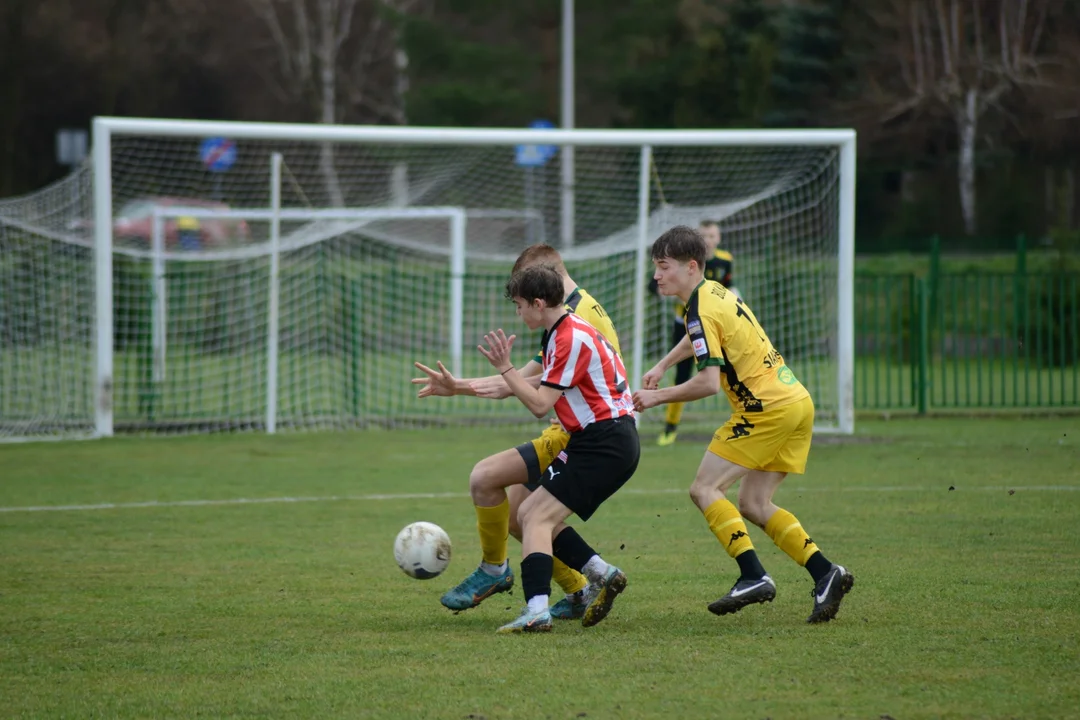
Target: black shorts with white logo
597, 462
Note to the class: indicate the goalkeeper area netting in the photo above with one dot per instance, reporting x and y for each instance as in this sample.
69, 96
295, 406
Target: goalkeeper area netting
298, 294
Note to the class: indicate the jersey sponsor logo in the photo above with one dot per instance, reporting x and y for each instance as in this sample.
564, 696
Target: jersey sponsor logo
773, 359
693, 328
700, 348
784, 375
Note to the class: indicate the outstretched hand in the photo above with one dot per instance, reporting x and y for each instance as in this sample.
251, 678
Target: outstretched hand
498, 349
439, 382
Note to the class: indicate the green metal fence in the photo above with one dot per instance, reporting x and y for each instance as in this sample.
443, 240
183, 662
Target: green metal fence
967, 341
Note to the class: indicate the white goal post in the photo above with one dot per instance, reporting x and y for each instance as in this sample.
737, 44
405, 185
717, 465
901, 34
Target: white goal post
364, 248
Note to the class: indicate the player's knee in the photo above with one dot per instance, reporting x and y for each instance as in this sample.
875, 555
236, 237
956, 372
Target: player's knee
700, 490
482, 477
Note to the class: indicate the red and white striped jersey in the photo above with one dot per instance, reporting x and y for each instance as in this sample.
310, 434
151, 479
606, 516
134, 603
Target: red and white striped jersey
581, 363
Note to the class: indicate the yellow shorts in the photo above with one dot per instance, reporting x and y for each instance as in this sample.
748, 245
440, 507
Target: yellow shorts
538, 454
775, 440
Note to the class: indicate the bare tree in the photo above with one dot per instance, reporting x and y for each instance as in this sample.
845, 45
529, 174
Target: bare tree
337, 55
963, 57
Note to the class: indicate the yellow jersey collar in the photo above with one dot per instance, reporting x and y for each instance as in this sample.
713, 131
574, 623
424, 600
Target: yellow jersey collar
695, 292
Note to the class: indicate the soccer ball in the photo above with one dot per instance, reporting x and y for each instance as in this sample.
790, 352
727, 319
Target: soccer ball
422, 550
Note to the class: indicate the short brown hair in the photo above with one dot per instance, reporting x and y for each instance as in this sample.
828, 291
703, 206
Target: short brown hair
681, 243
536, 282
539, 253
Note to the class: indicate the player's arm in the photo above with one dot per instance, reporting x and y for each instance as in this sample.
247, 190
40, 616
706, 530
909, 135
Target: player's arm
539, 400
677, 354
442, 383
704, 342
494, 387
704, 384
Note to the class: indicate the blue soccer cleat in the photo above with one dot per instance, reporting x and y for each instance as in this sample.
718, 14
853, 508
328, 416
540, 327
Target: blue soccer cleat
571, 607
476, 588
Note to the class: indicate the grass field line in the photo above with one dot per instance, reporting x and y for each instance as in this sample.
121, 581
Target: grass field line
461, 495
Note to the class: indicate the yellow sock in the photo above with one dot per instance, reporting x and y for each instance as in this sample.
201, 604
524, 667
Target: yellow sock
673, 414
493, 524
569, 580
788, 534
728, 527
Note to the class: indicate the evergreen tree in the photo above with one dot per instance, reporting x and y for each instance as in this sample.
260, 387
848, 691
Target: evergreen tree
808, 62
751, 44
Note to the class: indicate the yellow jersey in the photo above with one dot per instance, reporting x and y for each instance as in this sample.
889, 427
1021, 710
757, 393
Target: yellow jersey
723, 331
588, 309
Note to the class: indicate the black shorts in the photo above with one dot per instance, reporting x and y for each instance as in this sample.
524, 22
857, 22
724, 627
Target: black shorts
597, 462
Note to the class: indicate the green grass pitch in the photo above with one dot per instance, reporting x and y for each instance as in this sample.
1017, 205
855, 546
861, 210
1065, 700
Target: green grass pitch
181, 601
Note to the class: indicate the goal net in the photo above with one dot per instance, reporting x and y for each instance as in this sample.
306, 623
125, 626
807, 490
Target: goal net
288, 276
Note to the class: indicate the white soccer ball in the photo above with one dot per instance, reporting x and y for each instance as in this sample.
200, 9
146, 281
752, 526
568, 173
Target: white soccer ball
422, 550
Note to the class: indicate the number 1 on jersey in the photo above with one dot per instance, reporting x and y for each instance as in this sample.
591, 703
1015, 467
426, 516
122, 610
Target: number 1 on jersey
743, 314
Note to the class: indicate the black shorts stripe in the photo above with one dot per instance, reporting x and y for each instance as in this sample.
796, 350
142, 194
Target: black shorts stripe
527, 451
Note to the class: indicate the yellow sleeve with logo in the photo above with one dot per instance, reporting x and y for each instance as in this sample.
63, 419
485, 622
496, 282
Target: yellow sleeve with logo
713, 338
704, 329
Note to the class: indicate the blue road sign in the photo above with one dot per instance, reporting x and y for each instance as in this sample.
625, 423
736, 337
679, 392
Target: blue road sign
535, 155
218, 153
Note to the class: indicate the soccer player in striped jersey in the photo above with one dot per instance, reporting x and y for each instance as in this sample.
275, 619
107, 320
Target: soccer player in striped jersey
767, 436
501, 482
584, 381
